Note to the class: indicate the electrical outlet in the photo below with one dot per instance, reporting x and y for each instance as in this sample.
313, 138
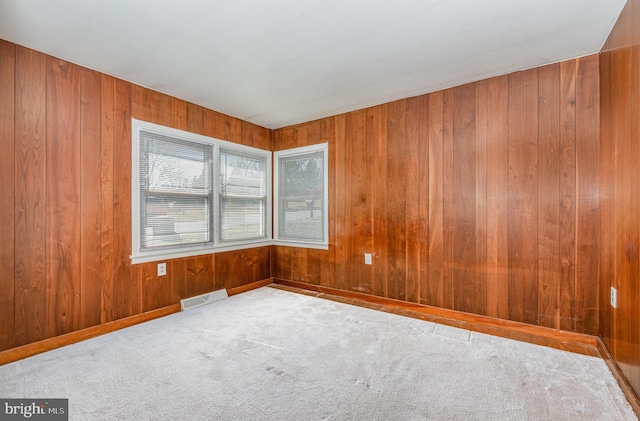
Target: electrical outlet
162, 269
367, 258
614, 297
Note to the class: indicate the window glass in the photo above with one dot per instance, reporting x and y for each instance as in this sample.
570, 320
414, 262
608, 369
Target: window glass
243, 196
302, 195
175, 192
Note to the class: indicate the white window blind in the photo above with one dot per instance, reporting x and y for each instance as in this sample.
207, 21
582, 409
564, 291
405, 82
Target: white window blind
176, 193
302, 195
243, 196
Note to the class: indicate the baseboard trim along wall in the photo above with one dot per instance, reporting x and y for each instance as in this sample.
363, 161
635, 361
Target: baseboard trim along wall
566, 341
628, 391
39, 347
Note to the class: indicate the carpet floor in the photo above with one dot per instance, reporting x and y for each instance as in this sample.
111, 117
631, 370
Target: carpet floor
270, 354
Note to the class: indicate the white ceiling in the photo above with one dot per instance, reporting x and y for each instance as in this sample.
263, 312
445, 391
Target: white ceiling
280, 62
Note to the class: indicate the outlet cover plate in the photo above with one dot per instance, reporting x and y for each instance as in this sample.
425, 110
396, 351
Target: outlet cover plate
162, 269
614, 297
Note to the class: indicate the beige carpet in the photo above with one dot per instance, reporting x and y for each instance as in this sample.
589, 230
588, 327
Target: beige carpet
274, 355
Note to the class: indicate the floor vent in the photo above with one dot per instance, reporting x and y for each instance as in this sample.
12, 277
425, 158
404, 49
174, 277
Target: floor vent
203, 299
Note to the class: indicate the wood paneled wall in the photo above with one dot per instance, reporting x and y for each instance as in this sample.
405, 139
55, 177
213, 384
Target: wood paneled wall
481, 198
620, 192
65, 181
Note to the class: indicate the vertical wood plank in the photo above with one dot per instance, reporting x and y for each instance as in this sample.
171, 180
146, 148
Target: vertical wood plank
107, 237
549, 196
179, 286
282, 263
210, 119
90, 188
588, 216
360, 231
621, 120
327, 135
498, 198
156, 290
262, 137
625, 324
299, 258
341, 221
530, 255
281, 138
414, 118
607, 228
435, 286
246, 130
448, 166
240, 267
178, 114
625, 249
63, 197
377, 131
236, 130
7, 192
567, 194
127, 292
151, 106
196, 120
633, 296
227, 277
464, 198
423, 201
314, 257
30, 196
523, 196
200, 275
480, 264
281, 258
396, 199
299, 255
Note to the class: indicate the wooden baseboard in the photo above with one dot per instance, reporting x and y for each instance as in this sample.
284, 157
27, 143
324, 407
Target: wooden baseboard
249, 287
49, 344
631, 396
39, 347
567, 341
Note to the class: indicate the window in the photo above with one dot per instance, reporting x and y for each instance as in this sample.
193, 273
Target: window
301, 183
193, 194
175, 192
243, 196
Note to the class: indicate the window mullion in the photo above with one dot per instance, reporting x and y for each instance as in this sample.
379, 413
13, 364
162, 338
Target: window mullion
215, 199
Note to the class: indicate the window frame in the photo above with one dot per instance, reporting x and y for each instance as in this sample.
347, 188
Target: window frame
216, 245
286, 154
266, 197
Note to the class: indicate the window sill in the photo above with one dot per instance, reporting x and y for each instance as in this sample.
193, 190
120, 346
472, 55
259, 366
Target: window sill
199, 251
195, 251
301, 244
